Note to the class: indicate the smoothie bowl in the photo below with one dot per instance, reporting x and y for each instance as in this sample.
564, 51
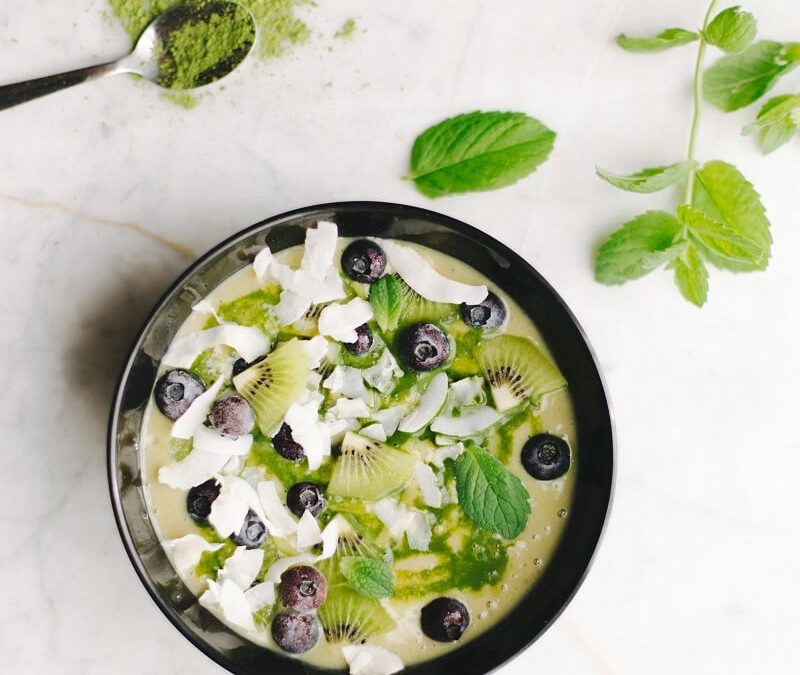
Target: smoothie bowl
364, 438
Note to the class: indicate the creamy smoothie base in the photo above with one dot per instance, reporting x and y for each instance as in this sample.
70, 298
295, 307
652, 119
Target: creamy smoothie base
485, 571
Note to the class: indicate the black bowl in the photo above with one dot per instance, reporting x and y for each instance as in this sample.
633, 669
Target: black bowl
595, 441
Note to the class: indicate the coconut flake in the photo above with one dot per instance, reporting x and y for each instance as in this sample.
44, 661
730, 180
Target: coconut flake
422, 278
428, 485
468, 391
279, 520
340, 321
209, 439
348, 408
346, 381
229, 509
248, 341
308, 432
205, 307
374, 431
320, 248
382, 375
394, 515
232, 467
371, 660
330, 537
277, 568
308, 532
389, 418
187, 550
429, 404
229, 600
447, 452
196, 413
471, 421
242, 567
291, 307
261, 264
197, 468
418, 532
316, 348
339, 427
260, 595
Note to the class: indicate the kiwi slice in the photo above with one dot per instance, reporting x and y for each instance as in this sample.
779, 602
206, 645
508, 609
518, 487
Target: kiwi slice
347, 616
516, 370
274, 383
367, 469
306, 325
351, 542
414, 308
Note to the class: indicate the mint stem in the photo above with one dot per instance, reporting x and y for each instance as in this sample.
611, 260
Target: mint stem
698, 104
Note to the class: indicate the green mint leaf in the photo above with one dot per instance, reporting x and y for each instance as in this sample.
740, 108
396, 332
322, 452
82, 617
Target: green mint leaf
691, 276
732, 30
777, 122
726, 197
738, 80
386, 298
478, 151
648, 180
638, 247
491, 496
718, 238
368, 577
668, 39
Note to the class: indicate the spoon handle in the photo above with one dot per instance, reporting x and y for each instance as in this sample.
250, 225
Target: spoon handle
20, 92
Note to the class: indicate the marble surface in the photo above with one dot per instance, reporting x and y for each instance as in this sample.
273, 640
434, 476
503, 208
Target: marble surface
698, 570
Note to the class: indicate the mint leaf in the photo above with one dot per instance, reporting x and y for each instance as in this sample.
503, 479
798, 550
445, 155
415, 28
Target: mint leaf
777, 122
725, 197
386, 298
738, 80
648, 180
732, 30
672, 37
369, 577
718, 238
691, 276
491, 496
638, 247
478, 151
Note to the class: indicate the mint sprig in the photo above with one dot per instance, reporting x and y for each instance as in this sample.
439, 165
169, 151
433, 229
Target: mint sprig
720, 220
490, 495
667, 39
369, 577
478, 151
777, 122
386, 298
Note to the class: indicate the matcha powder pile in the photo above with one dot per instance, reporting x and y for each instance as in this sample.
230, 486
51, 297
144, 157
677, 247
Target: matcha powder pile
277, 28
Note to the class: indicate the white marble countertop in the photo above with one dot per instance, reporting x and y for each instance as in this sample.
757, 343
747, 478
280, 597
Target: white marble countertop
698, 571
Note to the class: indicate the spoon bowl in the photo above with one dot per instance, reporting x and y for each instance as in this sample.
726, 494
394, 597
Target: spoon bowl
187, 46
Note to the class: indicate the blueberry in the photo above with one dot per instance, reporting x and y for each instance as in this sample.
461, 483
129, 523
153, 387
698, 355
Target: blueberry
239, 366
444, 619
303, 587
294, 632
305, 496
286, 446
233, 416
545, 457
175, 392
200, 498
253, 532
364, 261
423, 346
487, 314
363, 341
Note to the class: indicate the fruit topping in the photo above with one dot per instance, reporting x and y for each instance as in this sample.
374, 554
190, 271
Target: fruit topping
286, 446
233, 416
363, 342
295, 632
364, 261
349, 617
444, 619
546, 457
303, 587
200, 498
487, 314
305, 496
253, 532
175, 392
423, 346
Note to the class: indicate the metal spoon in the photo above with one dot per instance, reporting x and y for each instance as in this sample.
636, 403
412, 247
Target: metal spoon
150, 58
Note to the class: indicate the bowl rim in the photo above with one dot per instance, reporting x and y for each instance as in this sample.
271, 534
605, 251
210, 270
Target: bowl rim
449, 222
